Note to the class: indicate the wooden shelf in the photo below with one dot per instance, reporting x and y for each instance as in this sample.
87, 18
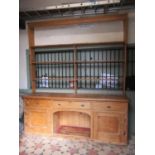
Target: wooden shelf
73, 130
77, 79
78, 45
93, 78
56, 78
53, 62
66, 62
121, 61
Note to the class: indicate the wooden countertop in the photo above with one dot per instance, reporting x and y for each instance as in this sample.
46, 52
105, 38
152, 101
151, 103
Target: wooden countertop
64, 96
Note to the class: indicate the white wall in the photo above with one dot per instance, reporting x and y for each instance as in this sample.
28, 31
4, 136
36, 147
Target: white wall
111, 31
101, 32
23, 45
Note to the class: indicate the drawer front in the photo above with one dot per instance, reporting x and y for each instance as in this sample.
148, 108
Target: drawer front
37, 103
71, 104
109, 106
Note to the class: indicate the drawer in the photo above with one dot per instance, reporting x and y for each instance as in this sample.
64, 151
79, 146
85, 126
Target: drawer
71, 104
37, 103
109, 106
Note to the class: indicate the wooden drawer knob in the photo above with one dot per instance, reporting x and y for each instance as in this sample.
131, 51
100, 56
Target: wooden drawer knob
108, 107
59, 104
82, 105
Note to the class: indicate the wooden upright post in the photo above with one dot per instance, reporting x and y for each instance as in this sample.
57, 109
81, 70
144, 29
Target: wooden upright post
32, 57
125, 29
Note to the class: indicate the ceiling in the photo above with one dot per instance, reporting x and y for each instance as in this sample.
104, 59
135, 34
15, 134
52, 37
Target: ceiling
45, 9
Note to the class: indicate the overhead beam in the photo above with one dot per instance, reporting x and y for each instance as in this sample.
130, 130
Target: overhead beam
75, 21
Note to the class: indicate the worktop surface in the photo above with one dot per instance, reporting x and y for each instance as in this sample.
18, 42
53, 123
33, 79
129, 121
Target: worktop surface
66, 96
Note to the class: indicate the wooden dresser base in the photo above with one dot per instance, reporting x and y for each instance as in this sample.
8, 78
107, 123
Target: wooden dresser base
99, 117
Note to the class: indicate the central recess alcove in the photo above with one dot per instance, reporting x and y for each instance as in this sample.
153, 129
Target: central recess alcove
72, 123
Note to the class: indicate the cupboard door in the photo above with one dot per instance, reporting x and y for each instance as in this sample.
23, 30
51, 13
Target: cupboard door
37, 122
110, 127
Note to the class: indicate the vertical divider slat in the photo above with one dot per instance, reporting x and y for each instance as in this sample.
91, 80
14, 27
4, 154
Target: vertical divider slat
54, 75
98, 65
102, 51
94, 67
36, 57
80, 67
58, 70
110, 66
119, 68
38, 70
114, 52
75, 70
47, 59
42, 69
52, 70
90, 66
85, 69
38, 76
62, 70
106, 69
41, 58
77, 65
49, 70
65, 71
66, 68
69, 67
44, 65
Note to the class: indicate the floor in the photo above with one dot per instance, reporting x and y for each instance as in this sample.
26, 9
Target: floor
40, 145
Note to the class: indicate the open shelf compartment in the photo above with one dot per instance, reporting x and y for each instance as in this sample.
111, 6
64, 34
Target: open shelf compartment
72, 123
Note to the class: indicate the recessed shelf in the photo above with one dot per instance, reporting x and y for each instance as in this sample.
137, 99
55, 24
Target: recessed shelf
73, 130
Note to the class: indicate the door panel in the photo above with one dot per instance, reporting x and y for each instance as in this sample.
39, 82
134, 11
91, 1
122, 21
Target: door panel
111, 124
38, 121
109, 127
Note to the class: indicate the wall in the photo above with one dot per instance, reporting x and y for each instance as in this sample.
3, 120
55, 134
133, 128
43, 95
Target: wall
86, 33
23, 45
